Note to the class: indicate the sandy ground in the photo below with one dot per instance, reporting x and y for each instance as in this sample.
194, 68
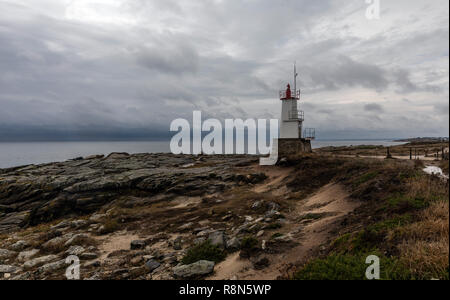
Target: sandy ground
331, 199
115, 242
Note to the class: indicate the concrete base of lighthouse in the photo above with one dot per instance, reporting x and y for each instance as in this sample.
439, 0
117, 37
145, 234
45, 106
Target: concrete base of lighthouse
292, 147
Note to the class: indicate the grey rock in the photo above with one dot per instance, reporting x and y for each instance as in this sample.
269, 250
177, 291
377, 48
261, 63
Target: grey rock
177, 243
97, 217
186, 226
195, 270
23, 276
218, 239
61, 225
39, 261
284, 238
233, 244
75, 250
52, 267
5, 254
76, 239
273, 206
257, 205
55, 242
19, 246
78, 223
152, 265
271, 213
27, 255
8, 269
137, 244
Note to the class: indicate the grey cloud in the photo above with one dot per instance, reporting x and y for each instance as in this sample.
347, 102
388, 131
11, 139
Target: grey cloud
62, 77
173, 57
403, 81
373, 107
344, 72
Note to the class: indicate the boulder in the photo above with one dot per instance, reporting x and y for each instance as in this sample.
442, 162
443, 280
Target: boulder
137, 244
177, 243
61, 225
76, 239
75, 250
55, 243
78, 223
233, 244
39, 261
218, 239
152, 265
8, 269
97, 217
195, 270
19, 246
5, 254
27, 255
52, 267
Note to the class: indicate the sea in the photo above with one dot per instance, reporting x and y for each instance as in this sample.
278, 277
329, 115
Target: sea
13, 154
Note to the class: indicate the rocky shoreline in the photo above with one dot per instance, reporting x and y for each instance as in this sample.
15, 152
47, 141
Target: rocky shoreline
145, 203
35, 194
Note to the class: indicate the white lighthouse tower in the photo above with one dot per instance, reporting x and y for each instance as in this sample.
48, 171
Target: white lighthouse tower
291, 123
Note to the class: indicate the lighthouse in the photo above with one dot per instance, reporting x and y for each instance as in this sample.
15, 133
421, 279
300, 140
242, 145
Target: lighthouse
291, 123
294, 139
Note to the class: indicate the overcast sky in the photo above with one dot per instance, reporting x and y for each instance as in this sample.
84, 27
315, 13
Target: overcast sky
127, 68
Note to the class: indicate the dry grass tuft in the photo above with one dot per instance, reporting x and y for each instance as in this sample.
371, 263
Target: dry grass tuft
425, 246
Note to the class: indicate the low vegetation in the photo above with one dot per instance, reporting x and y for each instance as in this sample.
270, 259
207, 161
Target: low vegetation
204, 251
404, 219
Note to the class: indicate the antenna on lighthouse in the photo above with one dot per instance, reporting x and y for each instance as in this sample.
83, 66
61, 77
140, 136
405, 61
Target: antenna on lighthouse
295, 78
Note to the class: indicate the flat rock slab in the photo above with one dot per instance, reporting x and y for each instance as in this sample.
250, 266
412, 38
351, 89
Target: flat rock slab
195, 270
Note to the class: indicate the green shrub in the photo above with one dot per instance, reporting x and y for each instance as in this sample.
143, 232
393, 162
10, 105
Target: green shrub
203, 251
110, 226
350, 267
249, 243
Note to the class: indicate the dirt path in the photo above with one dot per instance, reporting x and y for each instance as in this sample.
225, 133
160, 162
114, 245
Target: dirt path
332, 201
115, 242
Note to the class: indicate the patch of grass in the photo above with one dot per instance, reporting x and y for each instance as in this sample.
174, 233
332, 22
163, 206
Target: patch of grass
366, 177
249, 247
110, 226
249, 243
371, 238
404, 203
350, 267
203, 251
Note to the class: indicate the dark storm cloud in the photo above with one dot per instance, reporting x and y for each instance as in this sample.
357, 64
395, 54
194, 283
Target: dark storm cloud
373, 107
126, 68
344, 72
173, 57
